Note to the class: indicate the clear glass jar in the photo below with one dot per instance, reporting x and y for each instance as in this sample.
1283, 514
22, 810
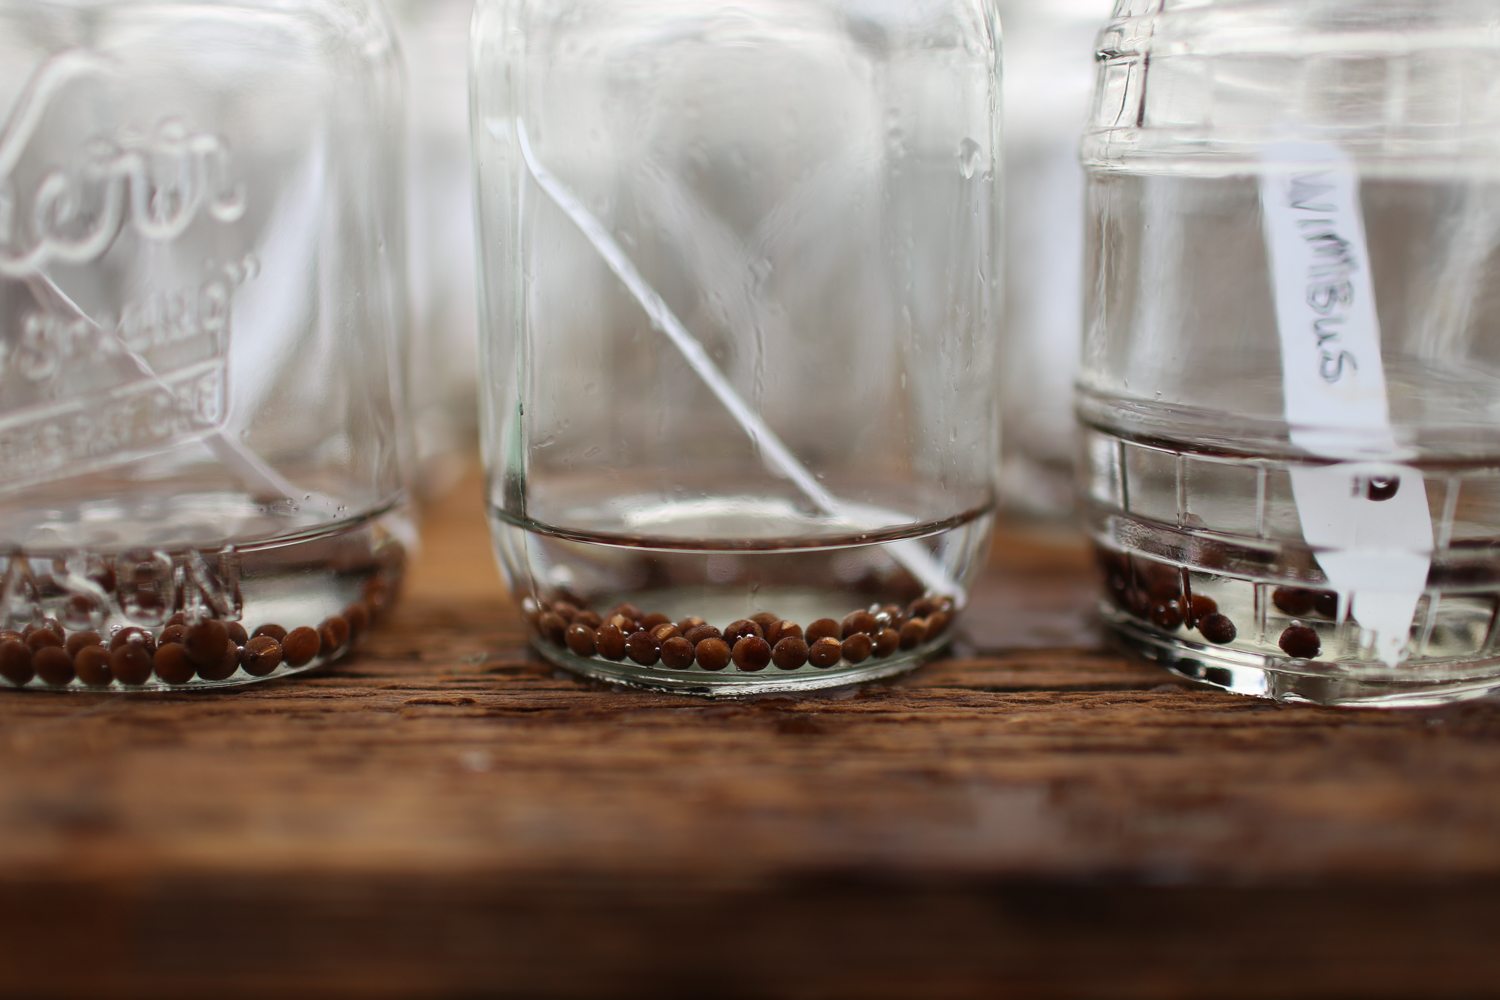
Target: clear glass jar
739, 271
201, 421
1291, 384
440, 213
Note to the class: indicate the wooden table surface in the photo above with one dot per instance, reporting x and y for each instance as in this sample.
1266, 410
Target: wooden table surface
1034, 817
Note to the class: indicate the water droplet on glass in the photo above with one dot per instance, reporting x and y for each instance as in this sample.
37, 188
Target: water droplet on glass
969, 158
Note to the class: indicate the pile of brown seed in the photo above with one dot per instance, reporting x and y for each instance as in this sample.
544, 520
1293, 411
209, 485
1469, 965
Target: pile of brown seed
207, 649
1161, 595
751, 644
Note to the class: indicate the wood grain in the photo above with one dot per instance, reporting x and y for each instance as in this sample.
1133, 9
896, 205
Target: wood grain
1034, 816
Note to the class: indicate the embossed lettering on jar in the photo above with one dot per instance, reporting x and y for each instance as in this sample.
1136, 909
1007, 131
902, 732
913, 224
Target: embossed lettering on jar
200, 321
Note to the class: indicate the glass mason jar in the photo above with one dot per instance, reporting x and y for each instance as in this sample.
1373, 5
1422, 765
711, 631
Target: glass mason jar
201, 424
739, 270
1291, 376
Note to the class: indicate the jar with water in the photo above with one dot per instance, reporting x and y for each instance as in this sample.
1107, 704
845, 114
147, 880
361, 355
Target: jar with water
739, 269
1291, 372
201, 433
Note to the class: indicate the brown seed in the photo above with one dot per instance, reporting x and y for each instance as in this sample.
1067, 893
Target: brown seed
172, 633
643, 649
1293, 601
887, 642
823, 628
654, 619
1161, 582
858, 647
1326, 603
1201, 607
1167, 615
712, 654
92, 664
946, 605
938, 622
552, 626
738, 630
225, 668
45, 625
825, 652
1381, 489
260, 657
858, 622
358, 617
44, 638
237, 634
624, 623
333, 635
922, 607
131, 664
589, 618
173, 665
78, 640
783, 629
530, 609
1218, 629
752, 653
677, 653
135, 636
765, 620
11, 635
629, 610
566, 610
53, 665
790, 653
15, 662
580, 640
689, 623
666, 630
698, 633
609, 642
206, 642
274, 631
1300, 641
889, 616
300, 646
914, 633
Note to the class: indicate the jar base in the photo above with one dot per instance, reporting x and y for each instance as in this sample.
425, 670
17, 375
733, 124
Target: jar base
733, 682
1297, 681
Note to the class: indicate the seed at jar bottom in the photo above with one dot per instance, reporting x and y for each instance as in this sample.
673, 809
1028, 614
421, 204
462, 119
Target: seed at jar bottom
131, 664
823, 628
135, 635
1300, 641
913, 633
689, 623
825, 652
173, 665
858, 647
887, 642
938, 622
261, 656
752, 653
581, 641
713, 654
1293, 601
552, 626
610, 642
790, 653
206, 642
677, 653
698, 633
1326, 604
93, 666
654, 619
44, 639
737, 630
1167, 616
858, 622
1218, 629
333, 635
765, 620
229, 663
53, 665
273, 631
78, 640
237, 634
783, 629
666, 630
172, 633
641, 648
1199, 608
300, 646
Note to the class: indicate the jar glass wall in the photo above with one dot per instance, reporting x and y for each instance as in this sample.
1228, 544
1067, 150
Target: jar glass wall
739, 273
1290, 387
201, 415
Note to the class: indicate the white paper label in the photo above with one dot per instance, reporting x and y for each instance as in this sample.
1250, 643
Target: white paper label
1366, 516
